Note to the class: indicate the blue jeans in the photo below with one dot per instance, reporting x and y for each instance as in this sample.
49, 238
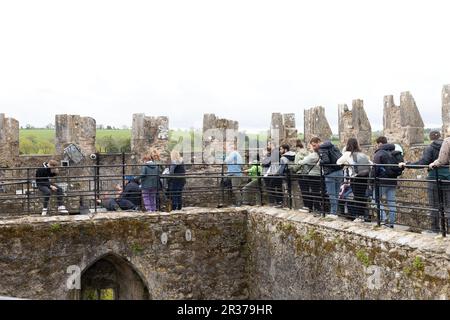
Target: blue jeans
389, 193
333, 183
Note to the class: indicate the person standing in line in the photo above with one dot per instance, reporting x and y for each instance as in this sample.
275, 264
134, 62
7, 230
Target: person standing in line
359, 167
334, 175
176, 184
234, 171
150, 182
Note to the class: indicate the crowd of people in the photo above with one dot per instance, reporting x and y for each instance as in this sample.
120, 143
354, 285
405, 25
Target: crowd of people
340, 182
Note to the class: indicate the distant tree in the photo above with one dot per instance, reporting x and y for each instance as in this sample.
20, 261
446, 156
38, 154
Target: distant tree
108, 128
29, 126
50, 126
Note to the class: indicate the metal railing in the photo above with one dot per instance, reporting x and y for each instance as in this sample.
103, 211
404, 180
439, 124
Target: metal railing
418, 202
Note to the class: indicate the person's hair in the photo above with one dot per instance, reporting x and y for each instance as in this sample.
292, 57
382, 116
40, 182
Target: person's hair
315, 140
285, 147
353, 145
382, 140
147, 157
155, 155
53, 163
435, 135
175, 155
299, 144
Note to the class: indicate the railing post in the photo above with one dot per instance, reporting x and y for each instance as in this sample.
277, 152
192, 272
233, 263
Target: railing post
158, 181
441, 213
123, 170
289, 185
377, 197
95, 189
222, 184
28, 191
259, 184
322, 191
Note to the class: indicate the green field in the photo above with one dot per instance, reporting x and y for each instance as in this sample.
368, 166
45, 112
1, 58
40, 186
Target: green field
42, 141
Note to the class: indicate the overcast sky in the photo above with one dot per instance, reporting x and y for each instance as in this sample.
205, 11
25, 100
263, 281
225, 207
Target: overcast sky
239, 59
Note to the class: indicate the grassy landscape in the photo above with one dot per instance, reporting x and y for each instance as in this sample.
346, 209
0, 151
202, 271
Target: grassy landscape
42, 141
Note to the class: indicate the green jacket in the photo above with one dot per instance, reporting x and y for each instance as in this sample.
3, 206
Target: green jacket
308, 165
255, 171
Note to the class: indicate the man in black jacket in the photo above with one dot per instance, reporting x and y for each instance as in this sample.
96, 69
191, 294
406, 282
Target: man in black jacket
43, 175
334, 175
430, 154
388, 184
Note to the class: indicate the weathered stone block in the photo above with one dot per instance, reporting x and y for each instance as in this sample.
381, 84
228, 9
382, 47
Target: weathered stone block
217, 133
403, 124
80, 131
9, 141
446, 110
354, 123
316, 124
150, 132
282, 129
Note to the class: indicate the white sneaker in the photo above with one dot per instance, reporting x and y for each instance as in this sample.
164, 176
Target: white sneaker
63, 210
44, 211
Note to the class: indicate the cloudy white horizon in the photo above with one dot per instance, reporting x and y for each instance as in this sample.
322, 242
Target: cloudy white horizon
241, 60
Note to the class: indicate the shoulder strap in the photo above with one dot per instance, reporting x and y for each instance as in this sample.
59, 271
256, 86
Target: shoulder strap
355, 160
312, 167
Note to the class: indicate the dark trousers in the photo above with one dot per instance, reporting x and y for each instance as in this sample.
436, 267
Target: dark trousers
310, 189
176, 197
358, 207
433, 200
112, 204
275, 190
47, 192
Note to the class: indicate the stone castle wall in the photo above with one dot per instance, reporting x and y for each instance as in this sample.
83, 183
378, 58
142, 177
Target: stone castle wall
234, 253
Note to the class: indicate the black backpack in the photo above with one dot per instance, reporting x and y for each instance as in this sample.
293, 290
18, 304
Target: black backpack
334, 154
394, 157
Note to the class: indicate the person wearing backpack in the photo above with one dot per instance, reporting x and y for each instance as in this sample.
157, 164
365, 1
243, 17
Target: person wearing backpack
150, 182
287, 159
359, 167
386, 154
334, 175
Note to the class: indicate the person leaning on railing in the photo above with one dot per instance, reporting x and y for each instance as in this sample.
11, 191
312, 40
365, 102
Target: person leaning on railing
442, 163
43, 175
430, 155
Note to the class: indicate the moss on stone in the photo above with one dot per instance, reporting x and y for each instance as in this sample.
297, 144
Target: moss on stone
137, 249
363, 257
55, 227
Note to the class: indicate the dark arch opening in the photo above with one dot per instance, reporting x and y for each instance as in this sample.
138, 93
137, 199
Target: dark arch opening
112, 278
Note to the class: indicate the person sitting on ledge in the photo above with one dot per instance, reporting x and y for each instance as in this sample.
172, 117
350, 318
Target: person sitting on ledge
43, 175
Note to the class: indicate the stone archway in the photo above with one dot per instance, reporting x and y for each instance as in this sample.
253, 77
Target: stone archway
112, 278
